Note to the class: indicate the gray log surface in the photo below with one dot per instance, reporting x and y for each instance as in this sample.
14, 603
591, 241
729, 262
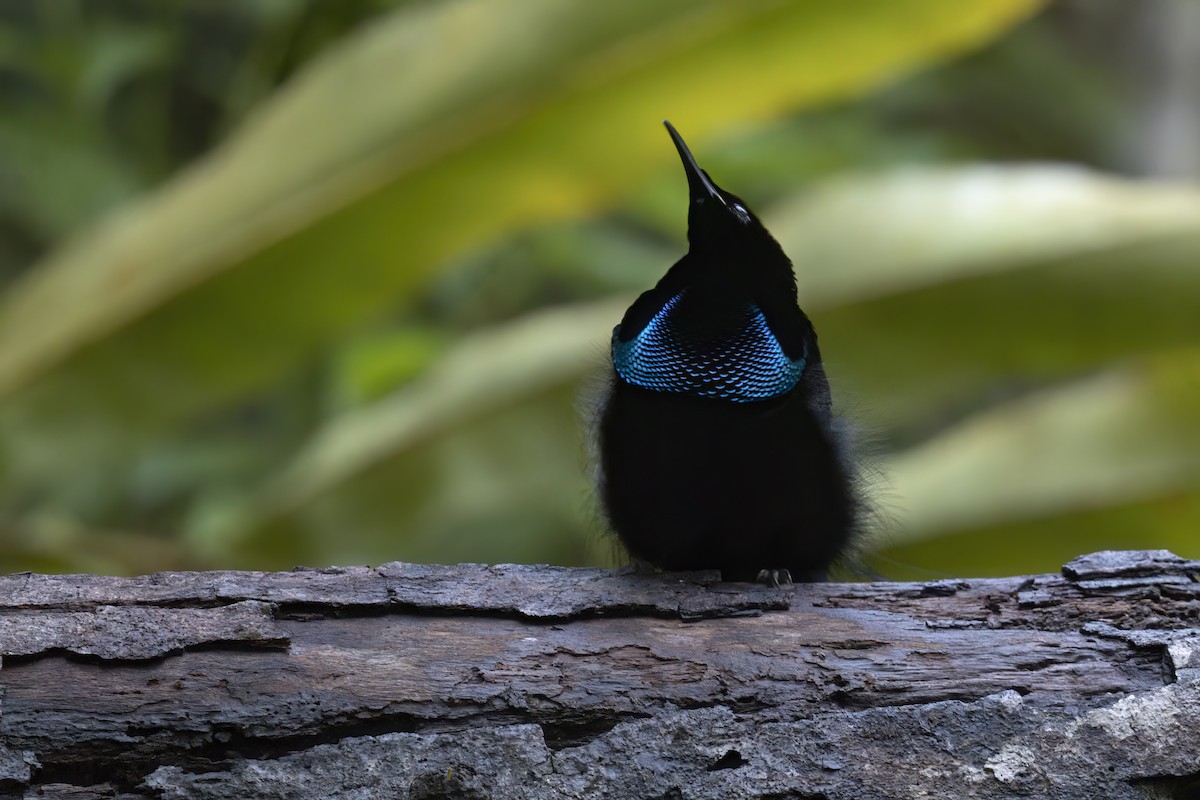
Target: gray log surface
414, 681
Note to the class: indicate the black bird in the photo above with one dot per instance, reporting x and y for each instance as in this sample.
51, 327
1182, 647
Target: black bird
718, 447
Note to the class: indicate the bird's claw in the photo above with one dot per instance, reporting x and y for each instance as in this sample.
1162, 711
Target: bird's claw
775, 577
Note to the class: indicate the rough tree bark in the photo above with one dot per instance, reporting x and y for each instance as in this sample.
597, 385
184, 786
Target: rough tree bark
411, 681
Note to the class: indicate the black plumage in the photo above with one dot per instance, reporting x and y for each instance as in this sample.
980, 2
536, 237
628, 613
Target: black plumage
717, 443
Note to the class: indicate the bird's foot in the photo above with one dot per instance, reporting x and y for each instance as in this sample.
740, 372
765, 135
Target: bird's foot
775, 577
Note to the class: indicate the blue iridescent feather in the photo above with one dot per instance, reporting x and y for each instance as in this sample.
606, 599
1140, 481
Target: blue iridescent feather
740, 361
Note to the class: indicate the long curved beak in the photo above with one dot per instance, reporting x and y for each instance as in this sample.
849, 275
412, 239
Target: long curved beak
699, 184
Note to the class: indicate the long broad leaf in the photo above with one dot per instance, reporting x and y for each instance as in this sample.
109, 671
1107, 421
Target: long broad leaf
1121, 436
918, 228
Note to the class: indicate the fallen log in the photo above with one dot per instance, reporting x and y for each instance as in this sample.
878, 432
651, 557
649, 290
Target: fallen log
417, 681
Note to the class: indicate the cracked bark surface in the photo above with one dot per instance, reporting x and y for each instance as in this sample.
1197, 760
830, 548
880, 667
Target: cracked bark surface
416, 681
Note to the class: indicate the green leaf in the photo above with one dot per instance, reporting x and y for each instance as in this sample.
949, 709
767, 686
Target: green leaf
1112, 439
371, 367
929, 226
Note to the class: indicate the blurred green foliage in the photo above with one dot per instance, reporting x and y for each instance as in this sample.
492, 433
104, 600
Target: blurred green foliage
301, 282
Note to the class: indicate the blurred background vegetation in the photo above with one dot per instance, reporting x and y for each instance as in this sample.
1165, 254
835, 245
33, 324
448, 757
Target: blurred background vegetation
304, 282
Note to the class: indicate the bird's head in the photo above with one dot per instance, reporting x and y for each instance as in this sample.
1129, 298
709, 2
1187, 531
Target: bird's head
718, 221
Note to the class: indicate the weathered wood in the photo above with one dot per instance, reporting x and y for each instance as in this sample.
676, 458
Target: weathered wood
419, 681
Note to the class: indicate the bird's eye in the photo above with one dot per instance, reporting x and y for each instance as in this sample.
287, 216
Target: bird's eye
740, 212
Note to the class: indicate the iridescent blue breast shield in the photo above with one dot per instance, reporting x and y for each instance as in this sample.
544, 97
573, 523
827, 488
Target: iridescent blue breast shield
733, 356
